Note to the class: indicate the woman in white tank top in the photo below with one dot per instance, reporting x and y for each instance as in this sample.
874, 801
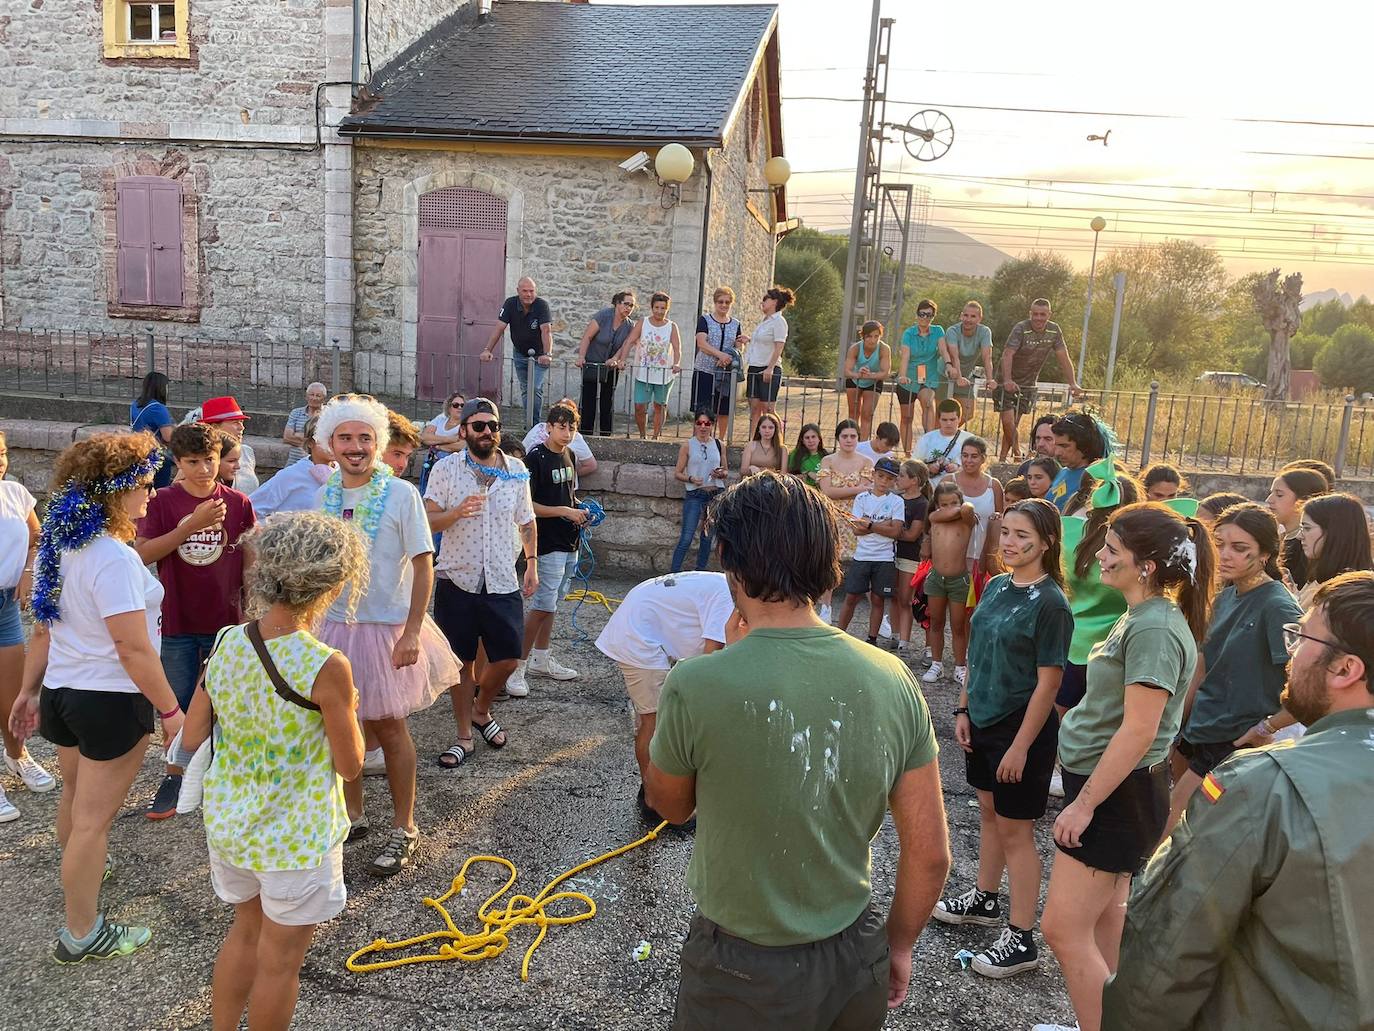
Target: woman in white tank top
657, 347
981, 491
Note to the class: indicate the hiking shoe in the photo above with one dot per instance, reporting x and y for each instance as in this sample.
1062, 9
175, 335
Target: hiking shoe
8, 814
400, 847
1012, 953
647, 811
972, 907
34, 776
551, 668
110, 941
933, 675
1057, 783
357, 829
374, 763
165, 801
515, 683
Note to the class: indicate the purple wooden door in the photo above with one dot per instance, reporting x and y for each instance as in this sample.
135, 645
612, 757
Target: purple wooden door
132, 233
461, 285
148, 265
164, 218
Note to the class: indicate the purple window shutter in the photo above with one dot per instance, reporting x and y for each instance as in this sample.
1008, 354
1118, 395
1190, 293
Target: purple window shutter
133, 242
165, 236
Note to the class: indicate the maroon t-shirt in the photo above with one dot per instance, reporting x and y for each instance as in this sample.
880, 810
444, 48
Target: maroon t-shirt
203, 578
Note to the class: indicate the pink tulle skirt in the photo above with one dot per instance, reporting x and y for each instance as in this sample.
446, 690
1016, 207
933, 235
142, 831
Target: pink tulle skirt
384, 692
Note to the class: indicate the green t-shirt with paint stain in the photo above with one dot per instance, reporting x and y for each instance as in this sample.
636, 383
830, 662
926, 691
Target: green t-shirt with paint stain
796, 737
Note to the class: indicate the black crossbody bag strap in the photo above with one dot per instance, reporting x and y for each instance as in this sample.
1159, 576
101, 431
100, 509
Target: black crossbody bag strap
284, 690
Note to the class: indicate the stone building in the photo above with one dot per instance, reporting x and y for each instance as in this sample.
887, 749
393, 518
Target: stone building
201, 166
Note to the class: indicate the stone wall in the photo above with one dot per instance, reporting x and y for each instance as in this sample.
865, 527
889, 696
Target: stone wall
252, 238
396, 24
739, 248
251, 64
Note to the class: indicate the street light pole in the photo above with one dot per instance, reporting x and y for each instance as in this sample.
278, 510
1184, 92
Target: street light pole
1097, 224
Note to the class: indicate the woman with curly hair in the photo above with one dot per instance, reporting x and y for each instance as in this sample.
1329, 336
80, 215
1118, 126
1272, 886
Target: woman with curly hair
93, 681
287, 733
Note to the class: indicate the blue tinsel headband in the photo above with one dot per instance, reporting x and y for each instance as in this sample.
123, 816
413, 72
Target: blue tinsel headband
75, 517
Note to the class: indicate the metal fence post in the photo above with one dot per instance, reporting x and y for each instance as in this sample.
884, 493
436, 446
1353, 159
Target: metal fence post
531, 400
335, 369
1343, 442
1146, 437
149, 352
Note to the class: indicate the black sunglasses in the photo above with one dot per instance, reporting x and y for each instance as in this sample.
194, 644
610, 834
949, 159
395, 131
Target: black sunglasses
483, 425
925, 315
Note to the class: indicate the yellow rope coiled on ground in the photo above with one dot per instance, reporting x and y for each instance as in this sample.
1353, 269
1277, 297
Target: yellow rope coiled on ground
497, 923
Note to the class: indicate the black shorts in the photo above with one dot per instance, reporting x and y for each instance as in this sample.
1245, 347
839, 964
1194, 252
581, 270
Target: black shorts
1204, 758
758, 389
101, 725
1027, 799
876, 577
497, 621
704, 396
876, 387
1074, 685
1127, 826
906, 396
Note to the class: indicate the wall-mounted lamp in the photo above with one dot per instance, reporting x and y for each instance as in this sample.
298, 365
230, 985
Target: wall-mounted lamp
776, 172
674, 164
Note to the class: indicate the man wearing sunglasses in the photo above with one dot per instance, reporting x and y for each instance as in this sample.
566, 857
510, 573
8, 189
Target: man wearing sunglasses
1029, 346
1259, 910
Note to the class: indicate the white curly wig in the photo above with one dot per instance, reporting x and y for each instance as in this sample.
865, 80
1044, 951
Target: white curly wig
353, 408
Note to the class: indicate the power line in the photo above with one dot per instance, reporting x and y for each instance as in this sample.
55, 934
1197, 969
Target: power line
1094, 114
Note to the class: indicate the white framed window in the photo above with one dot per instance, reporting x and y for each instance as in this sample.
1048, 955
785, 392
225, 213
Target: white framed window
150, 23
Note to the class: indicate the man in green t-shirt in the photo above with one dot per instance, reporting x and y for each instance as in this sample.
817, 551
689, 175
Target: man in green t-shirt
790, 745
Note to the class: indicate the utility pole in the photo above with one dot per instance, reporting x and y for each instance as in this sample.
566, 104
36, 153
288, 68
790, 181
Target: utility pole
861, 269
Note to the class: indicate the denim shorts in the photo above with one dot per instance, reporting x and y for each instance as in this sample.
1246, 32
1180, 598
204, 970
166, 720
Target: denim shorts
955, 588
11, 628
556, 570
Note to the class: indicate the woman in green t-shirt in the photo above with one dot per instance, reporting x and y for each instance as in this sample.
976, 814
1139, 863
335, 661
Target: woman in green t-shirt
1114, 744
1006, 725
805, 460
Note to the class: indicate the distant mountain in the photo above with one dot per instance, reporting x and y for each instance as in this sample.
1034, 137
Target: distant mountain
948, 250
1322, 296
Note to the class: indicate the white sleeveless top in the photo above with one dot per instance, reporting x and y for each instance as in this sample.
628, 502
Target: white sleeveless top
985, 506
654, 355
703, 458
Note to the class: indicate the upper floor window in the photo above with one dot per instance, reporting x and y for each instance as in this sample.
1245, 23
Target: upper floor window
140, 29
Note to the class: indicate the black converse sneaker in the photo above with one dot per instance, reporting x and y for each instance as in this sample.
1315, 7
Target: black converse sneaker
1013, 952
972, 907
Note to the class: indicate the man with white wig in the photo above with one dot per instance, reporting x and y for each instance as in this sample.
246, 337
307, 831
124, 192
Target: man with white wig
401, 662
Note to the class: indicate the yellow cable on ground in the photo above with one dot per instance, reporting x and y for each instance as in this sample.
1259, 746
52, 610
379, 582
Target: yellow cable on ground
490, 943
594, 598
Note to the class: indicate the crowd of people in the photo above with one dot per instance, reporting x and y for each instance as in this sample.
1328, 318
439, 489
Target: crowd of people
1104, 636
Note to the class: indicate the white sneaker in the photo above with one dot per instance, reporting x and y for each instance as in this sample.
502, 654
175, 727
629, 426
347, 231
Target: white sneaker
961, 675
1056, 784
35, 777
825, 614
515, 683
933, 674
551, 668
8, 814
886, 629
1054, 1027
374, 763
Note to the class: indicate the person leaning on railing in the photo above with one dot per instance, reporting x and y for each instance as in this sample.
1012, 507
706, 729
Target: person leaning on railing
603, 337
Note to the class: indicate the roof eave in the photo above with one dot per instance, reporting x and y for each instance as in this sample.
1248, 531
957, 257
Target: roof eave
384, 132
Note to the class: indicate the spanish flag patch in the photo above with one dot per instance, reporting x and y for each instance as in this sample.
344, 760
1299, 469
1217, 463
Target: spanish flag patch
1212, 789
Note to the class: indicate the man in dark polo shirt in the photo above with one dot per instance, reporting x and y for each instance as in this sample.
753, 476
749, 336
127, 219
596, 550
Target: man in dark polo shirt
791, 745
1029, 346
530, 324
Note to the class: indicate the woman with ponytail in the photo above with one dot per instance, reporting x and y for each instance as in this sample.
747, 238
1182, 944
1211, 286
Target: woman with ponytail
1114, 744
1243, 666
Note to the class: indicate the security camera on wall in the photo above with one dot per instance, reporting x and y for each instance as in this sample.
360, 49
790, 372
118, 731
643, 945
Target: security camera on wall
636, 162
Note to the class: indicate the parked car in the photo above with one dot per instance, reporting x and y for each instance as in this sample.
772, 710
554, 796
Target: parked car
1230, 380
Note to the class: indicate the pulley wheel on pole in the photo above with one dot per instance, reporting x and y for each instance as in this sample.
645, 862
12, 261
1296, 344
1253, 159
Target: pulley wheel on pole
928, 134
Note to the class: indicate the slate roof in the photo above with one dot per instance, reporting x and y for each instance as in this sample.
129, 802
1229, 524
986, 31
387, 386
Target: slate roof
573, 72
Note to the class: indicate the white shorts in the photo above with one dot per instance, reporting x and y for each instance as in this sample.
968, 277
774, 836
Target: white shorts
293, 898
645, 687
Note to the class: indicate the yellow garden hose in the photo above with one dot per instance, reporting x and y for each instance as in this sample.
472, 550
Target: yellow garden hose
494, 939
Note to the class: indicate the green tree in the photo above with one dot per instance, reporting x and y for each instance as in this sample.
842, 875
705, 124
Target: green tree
1305, 347
1018, 282
1325, 318
814, 320
1347, 362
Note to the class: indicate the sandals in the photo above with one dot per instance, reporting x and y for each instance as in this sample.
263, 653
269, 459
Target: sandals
490, 730
400, 848
455, 756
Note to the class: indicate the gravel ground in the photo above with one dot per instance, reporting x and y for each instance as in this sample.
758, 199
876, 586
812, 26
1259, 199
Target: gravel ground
562, 792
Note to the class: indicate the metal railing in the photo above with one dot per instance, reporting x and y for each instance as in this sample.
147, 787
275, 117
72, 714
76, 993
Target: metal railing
1226, 434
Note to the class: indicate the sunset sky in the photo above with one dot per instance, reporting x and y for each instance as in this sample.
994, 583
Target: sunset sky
1226, 76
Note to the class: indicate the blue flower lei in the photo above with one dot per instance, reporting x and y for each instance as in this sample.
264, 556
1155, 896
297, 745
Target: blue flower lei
369, 513
76, 516
494, 471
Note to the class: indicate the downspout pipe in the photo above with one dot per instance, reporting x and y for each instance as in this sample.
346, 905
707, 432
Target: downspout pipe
357, 46
705, 233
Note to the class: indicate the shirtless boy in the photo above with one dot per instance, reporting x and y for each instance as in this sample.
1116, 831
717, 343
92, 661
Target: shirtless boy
951, 525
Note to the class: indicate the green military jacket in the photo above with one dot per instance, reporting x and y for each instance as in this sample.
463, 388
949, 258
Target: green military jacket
1258, 913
